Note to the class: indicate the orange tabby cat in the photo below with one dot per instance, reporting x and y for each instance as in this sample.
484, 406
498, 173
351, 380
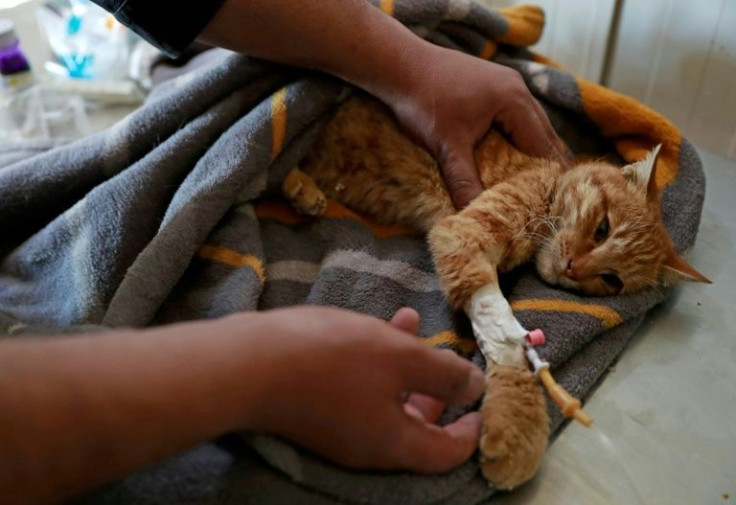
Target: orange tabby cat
595, 228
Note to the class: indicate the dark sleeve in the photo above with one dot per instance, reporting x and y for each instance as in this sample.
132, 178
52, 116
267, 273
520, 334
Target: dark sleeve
169, 25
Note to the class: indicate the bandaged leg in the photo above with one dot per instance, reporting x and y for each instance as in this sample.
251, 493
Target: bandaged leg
515, 426
500, 336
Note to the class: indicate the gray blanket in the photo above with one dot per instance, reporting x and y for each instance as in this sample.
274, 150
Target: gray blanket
173, 214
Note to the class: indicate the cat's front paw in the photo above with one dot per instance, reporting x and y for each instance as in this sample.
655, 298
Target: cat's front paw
515, 426
304, 194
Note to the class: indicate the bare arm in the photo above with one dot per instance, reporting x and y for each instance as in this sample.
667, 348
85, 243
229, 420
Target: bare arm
445, 99
347, 38
80, 411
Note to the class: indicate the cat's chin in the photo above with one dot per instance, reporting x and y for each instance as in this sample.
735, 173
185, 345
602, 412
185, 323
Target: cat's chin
554, 275
549, 272
568, 283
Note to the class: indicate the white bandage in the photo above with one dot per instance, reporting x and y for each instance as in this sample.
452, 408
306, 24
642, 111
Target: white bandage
499, 335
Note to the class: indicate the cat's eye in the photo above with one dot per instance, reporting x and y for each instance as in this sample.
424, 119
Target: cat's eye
602, 231
613, 281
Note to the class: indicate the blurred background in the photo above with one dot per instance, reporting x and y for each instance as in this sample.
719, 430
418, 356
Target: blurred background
85, 69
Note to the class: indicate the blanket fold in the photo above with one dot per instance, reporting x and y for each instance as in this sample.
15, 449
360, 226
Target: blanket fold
173, 214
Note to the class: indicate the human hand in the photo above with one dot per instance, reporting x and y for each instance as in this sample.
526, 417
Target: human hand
445, 99
448, 100
340, 389
421, 406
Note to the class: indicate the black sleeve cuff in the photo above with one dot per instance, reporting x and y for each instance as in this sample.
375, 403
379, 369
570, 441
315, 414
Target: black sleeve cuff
169, 25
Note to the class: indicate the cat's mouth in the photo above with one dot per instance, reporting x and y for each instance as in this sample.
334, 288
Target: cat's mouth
552, 270
603, 284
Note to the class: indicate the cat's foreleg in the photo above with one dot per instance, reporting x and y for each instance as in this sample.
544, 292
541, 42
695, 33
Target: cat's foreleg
498, 333
466, 255
515, 426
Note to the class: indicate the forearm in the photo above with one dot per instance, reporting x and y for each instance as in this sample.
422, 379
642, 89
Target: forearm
80, 411
351, 39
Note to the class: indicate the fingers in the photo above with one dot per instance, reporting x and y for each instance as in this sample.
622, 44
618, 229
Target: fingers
439, 374
528, 126
558, 148
427, 448
461, 175
424, 407
443, 375
406, 319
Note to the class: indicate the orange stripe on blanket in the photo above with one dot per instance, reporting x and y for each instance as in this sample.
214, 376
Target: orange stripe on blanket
538, 58
284, 213
489, 49
526, 23
606, 315
232, 258
450, 338
278, 122
387, 6
634, 128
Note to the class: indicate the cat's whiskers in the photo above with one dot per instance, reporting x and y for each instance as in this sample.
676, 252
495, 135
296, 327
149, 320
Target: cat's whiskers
549, 221
538, 237
550, 247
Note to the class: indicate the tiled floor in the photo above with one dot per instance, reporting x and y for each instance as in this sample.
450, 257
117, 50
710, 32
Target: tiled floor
666, 415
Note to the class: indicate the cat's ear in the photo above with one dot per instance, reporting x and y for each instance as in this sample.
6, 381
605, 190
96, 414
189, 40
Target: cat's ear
675, 269
643, 173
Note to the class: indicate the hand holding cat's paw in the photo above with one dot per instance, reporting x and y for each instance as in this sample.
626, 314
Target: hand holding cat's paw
515, 427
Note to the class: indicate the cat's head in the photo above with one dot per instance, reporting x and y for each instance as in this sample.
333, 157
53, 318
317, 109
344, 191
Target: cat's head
607, 235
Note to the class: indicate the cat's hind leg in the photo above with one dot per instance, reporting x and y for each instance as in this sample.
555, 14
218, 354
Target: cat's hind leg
304, 194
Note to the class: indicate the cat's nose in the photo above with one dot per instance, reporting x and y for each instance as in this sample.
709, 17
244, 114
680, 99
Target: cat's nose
570, 271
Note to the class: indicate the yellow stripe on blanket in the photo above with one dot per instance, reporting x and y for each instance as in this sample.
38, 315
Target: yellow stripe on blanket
634, 128
278, 122
232, 258
606, 315
284, 213
451, 339
526, 23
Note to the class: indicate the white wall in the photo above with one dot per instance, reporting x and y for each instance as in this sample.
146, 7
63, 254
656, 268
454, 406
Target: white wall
575, 33
677, 56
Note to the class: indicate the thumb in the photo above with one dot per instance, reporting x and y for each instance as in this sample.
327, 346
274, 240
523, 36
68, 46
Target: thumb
461, 175
406, 319
443, 375
427, 448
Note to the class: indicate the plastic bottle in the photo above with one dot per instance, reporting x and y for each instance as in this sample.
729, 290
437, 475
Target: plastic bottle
14, 68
